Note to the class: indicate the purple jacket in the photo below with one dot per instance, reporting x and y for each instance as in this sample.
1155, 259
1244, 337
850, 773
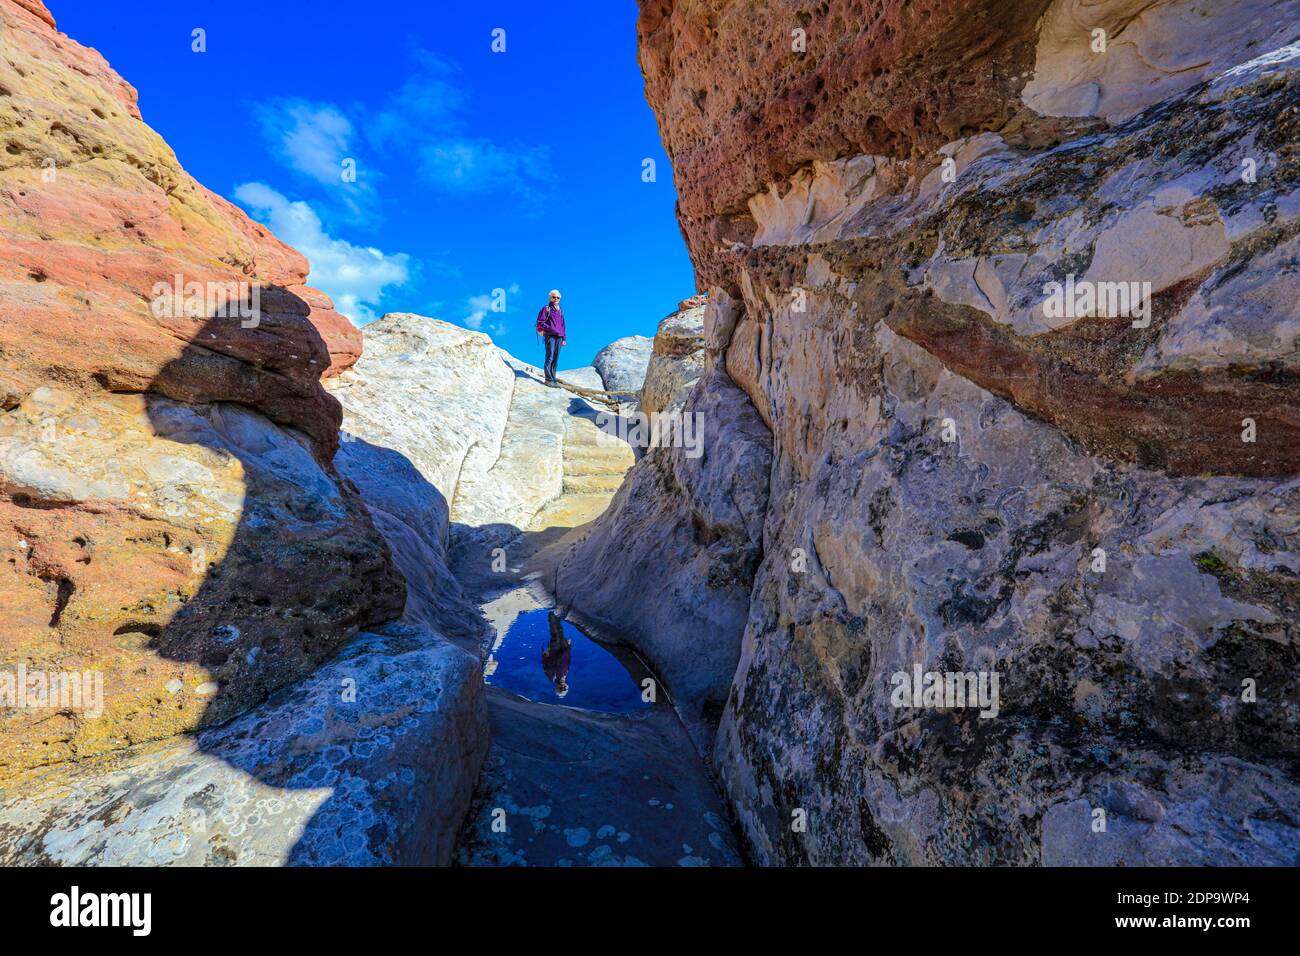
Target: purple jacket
550, 321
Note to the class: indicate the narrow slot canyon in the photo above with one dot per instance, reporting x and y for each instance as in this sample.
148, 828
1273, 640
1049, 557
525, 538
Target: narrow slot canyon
604, 773
951, 519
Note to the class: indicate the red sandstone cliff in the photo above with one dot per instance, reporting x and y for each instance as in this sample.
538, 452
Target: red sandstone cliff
169, 517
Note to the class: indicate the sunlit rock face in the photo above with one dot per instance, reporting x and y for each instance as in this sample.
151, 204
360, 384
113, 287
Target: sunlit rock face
622, 363
208, 656
425, 409
501, 449
95, 211
676, 361
436, 392
194, 557
1094, 503
1159, 49
169, 513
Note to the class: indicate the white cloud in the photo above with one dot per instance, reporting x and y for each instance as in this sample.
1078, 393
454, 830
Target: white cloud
428, 100
353, 276
314, 138
426, 118
477, 165
479, 306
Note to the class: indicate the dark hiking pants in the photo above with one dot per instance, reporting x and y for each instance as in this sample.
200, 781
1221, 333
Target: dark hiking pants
552, 356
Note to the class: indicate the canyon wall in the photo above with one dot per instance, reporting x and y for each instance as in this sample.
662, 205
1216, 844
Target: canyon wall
1094, 504
208, 655
676, 361
669, 565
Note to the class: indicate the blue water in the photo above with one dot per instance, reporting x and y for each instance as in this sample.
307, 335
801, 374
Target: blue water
530, 661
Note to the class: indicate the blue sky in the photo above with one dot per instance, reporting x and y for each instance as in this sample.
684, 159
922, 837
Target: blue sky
475, 171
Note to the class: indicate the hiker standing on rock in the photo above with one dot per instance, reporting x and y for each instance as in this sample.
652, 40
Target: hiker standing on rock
550, 324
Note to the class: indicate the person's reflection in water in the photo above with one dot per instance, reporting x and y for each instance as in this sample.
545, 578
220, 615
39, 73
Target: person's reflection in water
556, 657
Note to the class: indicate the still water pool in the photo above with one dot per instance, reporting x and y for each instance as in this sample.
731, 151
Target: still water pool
548, 660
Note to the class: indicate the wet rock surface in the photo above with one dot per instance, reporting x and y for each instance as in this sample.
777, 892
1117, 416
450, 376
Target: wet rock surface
576, 788
525, 469
685, 533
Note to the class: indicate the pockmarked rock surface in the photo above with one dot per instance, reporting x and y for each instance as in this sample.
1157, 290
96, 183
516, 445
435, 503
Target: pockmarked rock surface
189, 558
316, 776
1092, 499
168, 508
585, 789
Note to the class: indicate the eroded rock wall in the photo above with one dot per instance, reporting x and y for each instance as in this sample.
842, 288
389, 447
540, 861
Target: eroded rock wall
669, 565
95, 211
1098, 507
171, 516
206, 657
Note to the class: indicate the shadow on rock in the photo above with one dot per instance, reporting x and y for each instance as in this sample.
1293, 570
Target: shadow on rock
289, 699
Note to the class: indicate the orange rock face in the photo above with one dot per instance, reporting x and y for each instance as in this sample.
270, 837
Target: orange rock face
36, 8
96, 212
170, 521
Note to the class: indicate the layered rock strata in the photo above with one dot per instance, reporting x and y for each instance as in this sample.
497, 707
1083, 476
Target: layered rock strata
1094, 501
204, 659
